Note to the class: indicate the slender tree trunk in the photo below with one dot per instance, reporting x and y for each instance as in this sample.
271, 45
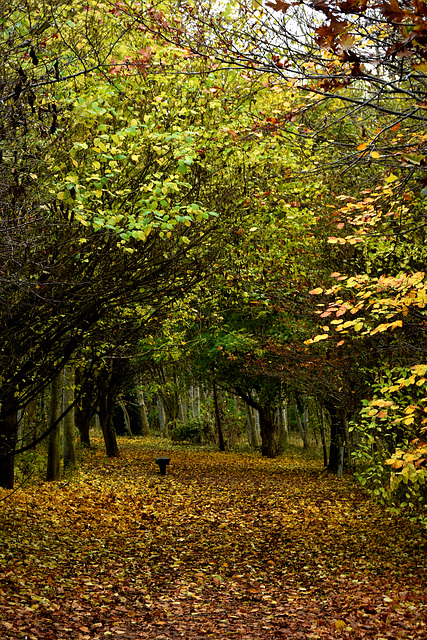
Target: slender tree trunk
303, 431
84, 428
31, 418
321, 412
251, 426
196, 401
218, 417
8, 437
143, 411
70, 458
85, 408
106, 406
183, 410
126, 418
337, 436
283, 423
53, 454
257, 428
162, 416
268, 432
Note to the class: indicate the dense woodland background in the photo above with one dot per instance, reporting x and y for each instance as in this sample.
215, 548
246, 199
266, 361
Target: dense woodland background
213, 230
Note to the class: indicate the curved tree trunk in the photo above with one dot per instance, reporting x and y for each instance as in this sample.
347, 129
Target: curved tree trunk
126, 418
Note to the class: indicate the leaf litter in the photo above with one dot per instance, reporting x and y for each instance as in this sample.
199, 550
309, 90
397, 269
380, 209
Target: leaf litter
224, 546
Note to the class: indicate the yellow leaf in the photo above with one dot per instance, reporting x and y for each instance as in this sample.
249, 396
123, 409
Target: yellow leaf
324, 336
362, 147
391, 178
358, 326
315, 292
375, 155
60, 195
339, 624
411, 408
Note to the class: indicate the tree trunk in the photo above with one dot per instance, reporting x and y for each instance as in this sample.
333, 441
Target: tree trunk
283, 423
196, 402
251, 426
84, 428
8, 437
85, 408
268, 432
53, 453
218, 417
337, 436
126, 418
70, 458
302, 424
106, 406
162, 415
321, 412
143, 411
183, 410
31, 419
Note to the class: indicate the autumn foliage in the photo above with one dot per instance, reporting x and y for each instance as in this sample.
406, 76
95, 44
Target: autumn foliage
226, 545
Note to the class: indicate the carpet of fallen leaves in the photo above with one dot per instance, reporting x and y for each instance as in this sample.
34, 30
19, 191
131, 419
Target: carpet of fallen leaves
223, 546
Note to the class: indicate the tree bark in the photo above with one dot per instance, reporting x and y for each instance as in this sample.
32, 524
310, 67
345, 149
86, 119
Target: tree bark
321, 413
218, 417
183, 410
108, 382
106, 406
337, 436
31, 421
85, 408
251, 426
268, 432
162, 415
283, 423
70, 458
302, 426
126, 418
8, 437
143, 411
53, 454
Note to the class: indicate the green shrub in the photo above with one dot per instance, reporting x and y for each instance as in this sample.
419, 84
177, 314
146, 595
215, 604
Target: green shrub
193, 430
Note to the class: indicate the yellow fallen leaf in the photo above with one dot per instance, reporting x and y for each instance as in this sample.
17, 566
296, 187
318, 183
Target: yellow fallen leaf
340, 624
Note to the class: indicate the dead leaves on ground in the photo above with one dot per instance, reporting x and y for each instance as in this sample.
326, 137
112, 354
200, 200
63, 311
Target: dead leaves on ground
224, 546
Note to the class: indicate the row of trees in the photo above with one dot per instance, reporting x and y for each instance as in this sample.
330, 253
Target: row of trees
237, 191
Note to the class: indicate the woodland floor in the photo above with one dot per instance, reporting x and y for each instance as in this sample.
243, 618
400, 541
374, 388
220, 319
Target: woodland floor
224, 546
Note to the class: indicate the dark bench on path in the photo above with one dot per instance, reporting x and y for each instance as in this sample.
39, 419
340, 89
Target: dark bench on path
162, 462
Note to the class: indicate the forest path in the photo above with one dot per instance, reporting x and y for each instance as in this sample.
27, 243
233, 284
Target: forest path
223, 546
